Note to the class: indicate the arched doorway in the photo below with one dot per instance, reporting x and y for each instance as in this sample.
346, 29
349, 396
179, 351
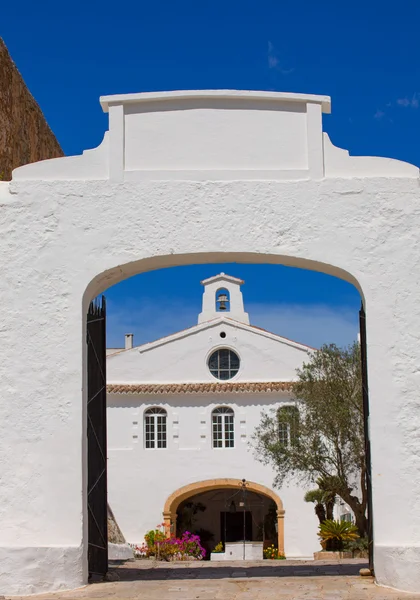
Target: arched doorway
200, 487
115, 275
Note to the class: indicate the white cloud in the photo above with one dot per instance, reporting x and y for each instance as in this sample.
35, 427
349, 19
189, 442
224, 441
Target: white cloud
406, 102
313, 324
274, 61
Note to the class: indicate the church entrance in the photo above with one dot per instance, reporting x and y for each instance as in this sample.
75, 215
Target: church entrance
228, 518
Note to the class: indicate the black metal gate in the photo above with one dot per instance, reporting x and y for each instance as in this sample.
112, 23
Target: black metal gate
96, 439
363, 353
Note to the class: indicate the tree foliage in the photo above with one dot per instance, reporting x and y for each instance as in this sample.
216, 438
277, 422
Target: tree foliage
326, 432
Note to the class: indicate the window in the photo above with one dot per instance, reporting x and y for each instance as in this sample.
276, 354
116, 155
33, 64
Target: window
224, 364
155, 428
223, 427
288, 420
284, 434
346, 517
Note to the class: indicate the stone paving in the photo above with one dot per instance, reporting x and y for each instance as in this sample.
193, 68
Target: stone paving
261, 580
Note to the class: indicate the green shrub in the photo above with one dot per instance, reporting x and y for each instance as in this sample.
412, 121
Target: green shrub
336, 533
218, 548
358, 546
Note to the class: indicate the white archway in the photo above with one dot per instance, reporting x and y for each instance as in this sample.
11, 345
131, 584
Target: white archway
261, 183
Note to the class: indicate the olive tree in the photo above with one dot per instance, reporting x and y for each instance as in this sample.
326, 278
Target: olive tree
325, 432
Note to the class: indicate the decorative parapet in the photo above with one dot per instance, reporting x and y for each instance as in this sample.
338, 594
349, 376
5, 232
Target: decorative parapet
339, 164
215, 135
201, 135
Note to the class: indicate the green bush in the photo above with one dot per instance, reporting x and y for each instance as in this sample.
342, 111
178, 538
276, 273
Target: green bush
358, 546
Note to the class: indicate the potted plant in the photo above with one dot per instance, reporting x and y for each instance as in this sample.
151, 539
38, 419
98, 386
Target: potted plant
334, 535
218, 552
272, 553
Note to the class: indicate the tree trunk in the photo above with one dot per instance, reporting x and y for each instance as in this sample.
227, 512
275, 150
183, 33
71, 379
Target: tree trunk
330, 508
361, 522
359, 510
320, 512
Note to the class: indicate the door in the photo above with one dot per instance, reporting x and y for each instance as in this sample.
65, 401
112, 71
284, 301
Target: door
232, 526
363, 355
96, 439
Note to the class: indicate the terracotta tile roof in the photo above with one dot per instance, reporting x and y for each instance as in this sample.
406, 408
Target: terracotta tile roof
200, 388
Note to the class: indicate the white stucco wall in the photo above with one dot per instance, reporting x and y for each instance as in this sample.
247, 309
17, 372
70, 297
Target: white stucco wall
141, 480
68, 233
184, 357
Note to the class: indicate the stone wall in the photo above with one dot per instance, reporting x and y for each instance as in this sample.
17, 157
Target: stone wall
25, 136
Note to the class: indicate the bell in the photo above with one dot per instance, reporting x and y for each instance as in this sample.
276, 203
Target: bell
232, 507
222, 301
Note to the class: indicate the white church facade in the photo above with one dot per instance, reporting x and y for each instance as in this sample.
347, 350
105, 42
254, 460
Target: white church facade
182, 411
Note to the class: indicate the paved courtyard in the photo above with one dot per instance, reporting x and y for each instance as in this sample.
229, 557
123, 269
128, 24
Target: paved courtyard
263, 580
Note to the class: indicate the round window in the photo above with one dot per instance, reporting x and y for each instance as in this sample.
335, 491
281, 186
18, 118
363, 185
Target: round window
224, 364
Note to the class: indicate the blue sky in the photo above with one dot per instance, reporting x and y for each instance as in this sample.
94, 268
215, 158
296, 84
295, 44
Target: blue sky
309, 307
365, 55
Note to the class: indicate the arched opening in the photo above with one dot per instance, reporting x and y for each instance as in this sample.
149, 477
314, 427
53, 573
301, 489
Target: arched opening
235, 510
112, 276
117, 273
222, 300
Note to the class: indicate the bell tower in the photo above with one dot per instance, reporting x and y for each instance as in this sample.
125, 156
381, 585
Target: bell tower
223, 297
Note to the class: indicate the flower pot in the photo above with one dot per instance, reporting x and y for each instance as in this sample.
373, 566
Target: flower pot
217, 556
332, 555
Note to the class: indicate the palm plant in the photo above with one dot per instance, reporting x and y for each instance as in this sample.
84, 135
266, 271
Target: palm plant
317, 497
328, 485
336, 533
323, 498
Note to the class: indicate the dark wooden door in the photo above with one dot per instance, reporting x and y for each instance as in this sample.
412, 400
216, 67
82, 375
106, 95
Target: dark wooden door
96, 439
232, 526
363, 356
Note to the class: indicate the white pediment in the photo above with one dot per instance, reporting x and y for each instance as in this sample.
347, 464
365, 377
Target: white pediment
182, 357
